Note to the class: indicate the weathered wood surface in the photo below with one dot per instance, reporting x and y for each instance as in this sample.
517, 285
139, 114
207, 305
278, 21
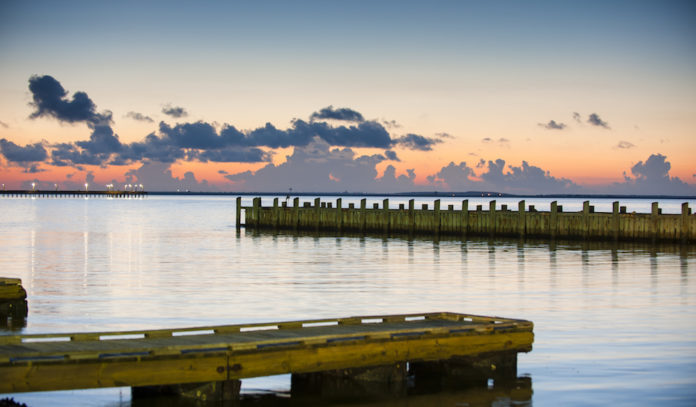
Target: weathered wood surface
218, 353
496, 221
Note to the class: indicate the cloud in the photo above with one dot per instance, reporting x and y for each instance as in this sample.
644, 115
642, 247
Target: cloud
552, 125
417, 142
157, 176
317, 167
577, 117
443, 135
343, 113
651, 178
454, 177
502, 141
3, 124
174, 111
525, 179
50, 99
391, 124
625, 145
595, 120
30, 153
391, 155
139, 117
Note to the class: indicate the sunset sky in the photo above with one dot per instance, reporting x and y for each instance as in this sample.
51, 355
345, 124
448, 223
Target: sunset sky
360, 96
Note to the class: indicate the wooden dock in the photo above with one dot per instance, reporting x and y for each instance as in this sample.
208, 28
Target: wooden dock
493, 221
13, 302
222, 355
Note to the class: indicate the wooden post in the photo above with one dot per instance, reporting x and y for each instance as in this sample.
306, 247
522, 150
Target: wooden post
317, 214
276, 214
465, 217
411, 216
436, 217
491, 218
615, 225
339, 215
685, 222
585, 219
521, 222
553, 219
257, 211
655, 211
363, 214
296, 214
385, 210
238, 211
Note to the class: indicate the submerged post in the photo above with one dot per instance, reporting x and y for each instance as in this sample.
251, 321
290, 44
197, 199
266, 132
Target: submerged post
615, 222
465, 217
385, 218
553, 221
411, 216
436, 217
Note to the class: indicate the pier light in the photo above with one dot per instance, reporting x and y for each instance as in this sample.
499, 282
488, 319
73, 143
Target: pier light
55, 186
33, 186
86, 187
142, 188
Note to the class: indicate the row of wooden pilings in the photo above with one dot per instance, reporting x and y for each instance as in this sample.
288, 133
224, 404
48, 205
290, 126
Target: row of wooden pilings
496, 221
72, 194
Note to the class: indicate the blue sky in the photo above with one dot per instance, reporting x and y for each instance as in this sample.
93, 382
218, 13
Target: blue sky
483, 78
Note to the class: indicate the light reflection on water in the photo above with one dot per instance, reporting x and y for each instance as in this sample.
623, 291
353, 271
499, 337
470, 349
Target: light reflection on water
614, 323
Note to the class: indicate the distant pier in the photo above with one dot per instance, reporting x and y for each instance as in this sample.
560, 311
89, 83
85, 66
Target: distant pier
493, 221
70, 194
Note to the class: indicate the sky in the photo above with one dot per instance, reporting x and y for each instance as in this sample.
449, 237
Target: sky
535, 97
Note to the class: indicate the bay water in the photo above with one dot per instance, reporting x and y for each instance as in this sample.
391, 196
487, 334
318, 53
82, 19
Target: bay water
615, 323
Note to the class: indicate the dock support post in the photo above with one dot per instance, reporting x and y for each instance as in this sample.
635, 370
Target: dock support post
239, 212
207, 391
491, 218
521, 221
276, 214
388, 380
257, 212
465, 218
339, 215
385, 218
411, 216
436, 217
553, 221
317, 214
615, 225
363, 214
585, 219
296, 214
685, 212
465, 370
654, 218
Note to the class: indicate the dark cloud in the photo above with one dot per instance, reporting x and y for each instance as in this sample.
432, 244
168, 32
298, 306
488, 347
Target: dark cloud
66, 154
246, 155
174, 111
625, 145
33, 169
391, 155
577, 117
443, 135
50, 99
30, 153
343, 113
552, 125
595, 120
417, 142
139, 117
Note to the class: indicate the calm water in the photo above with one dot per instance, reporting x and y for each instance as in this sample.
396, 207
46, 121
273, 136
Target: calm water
614, 324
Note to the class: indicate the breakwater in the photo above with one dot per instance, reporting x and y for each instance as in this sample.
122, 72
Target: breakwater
523, 221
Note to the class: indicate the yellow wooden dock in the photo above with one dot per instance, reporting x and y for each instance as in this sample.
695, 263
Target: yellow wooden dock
221, 353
